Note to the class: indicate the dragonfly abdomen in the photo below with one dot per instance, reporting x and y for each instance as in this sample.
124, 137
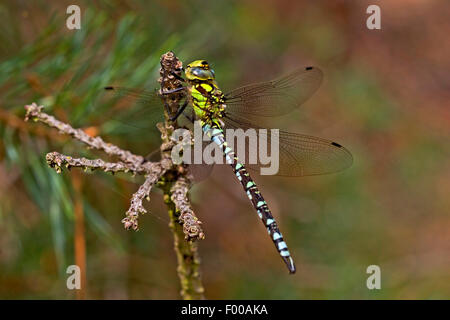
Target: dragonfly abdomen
253, 193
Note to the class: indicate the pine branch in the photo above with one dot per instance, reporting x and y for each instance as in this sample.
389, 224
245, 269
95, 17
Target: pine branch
172, 179
136, 208
35, 113
186, 250
191, 225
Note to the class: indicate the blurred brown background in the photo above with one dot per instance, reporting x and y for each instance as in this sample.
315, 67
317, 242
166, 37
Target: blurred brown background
385, 97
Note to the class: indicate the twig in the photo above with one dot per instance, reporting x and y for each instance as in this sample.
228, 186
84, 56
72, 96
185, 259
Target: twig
191, 224
187, 256
57, 161
132, 163
35, 113
130, 221
79, 234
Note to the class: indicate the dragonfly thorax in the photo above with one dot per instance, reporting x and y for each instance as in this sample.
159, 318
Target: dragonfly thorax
206, 97
208, 102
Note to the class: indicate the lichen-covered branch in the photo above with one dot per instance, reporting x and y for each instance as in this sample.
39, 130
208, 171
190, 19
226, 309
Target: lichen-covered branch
35, 113
136, 207
57, 160
187, 254
172, 179
176, 191
191, 225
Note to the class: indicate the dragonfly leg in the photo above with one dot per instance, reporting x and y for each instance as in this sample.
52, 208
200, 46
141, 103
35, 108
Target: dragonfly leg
178, 77
191, 118
180, 111
164, 93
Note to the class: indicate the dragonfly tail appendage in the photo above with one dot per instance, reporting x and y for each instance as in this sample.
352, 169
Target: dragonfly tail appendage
253, 193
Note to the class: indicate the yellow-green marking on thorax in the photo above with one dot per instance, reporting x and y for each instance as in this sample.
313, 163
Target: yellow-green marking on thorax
207, 99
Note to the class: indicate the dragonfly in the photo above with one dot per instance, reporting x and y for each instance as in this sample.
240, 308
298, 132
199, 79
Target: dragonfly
246, 107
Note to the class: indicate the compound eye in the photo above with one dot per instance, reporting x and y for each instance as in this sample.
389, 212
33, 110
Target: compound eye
202, 73
205, 64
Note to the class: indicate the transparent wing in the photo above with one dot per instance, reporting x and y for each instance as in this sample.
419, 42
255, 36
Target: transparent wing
276, 97
299, 155
140, 96
133, 110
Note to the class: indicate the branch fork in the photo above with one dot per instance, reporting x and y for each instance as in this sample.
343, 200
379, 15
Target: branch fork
173, 179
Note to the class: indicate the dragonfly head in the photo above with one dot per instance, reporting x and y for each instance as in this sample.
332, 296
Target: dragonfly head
199, 70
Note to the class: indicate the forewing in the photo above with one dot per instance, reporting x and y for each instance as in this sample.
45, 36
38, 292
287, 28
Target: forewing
139, 96
276, 97
134, 109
